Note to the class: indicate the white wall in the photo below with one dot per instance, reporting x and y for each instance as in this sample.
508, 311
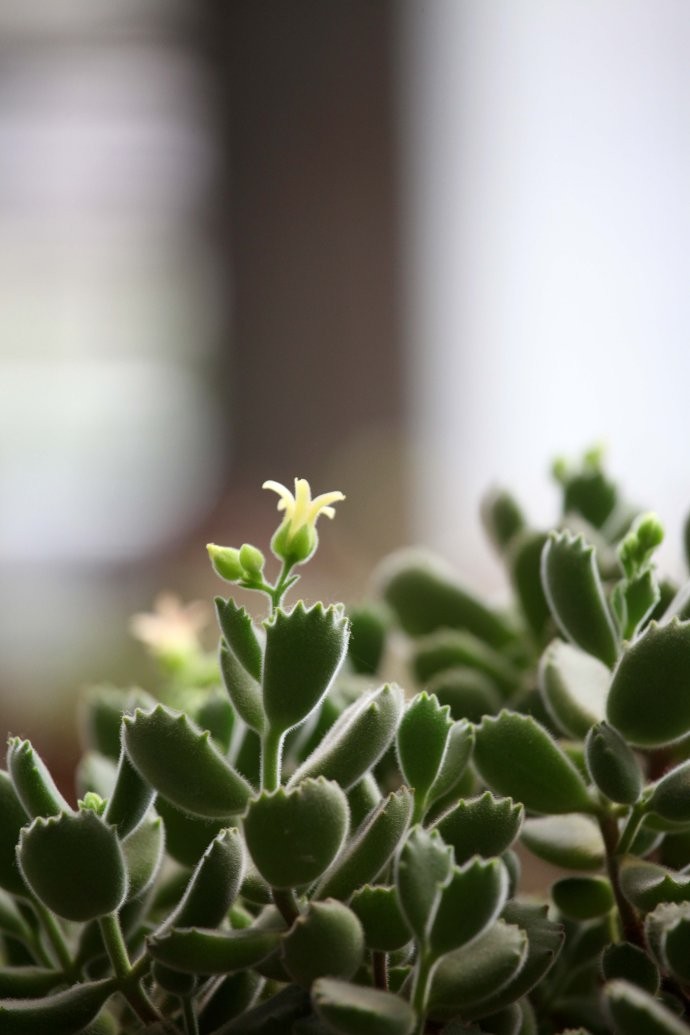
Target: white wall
546, 157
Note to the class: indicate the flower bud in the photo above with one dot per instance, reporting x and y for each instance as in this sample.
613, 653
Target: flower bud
226, 562
251, 559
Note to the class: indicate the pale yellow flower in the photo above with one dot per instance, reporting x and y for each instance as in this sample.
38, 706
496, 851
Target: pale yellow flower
300, 509
172, 627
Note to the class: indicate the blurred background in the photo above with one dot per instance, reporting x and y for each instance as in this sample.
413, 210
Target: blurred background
406, 250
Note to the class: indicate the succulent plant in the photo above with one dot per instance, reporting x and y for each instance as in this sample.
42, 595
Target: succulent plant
285, 842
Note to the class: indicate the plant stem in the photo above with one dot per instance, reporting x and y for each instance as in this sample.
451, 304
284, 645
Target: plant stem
630, 829
191, 1021
630, 924
128, 979
420, 989
286, 903
379, 966
271, 748
54, 934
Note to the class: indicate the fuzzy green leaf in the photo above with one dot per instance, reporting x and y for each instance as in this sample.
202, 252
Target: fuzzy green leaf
424, 867
583, 898
523, 560
671, 796
305, 647
630, 963
425, 597
34, 785
573, 687
370, 849
183, 764
240, 636
63, 1013
502, 518
325, 941
474, 973
294, 835
357, 740
214, 885
576, 597
28, 982
649, 699
12, 819
130, 799
421, 743
379, 913
357, 1010
74, 864
517, 757
243, 690
612, 764
454, 764
212, 952
369, 625
100, 714
635, 1012
470, 903
468, 693
453, 648
646, 884
186, 837
573, 842
485, 826
143, 851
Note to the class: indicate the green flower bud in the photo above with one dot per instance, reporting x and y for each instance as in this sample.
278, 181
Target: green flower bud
251, 559
325, 941
226, 562
296, 539
92, 801
612, 764
74, 864
294, 835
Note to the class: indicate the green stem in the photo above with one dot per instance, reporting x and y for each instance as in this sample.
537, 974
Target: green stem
379, 967
286, 903
277, 592
54, 934
630, 924
191, 1021
420, 989
271, 747
127, 977
630, 829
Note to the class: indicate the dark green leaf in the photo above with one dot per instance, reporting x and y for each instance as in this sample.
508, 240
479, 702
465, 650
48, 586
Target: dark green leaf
212, 952
356, 1010
325, 941
573, 842
484, 826
240, 635
573, 687
635, 1012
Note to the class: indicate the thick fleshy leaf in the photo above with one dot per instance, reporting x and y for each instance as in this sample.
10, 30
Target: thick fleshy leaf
424, 867
612, 764
583, 898
635, 1012
28, 982
544, 942
12, 819
100, 714
183, 764
573, 842
240, 636
475, 973
370, 849
468, 693
186, 837
630, 963
676, 946
453, 648
212, 952
130, 799
647, 884
34, 785
357, 1010
363, 799
12, 921
573, 687
357, 739
425, 597
518, 758
422, 739
576, 597
215, 883
484, 826
243, 690
454, 765
74, 864
213, 711
470, 903
523, 560
649, 699
143, 851
325, 941
379, 913
369, 624
502, 517
294, 835
62, 1013
671, 796
305, 647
